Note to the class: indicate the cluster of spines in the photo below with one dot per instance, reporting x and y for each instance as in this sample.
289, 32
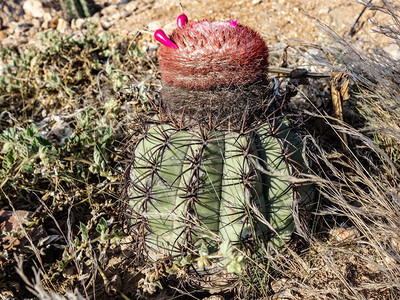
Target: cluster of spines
168, 189
202, 55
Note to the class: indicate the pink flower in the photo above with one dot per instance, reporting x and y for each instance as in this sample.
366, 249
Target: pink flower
163, 39
182, 20
233, 23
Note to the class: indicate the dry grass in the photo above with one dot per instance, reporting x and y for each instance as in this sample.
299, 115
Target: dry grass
354, 250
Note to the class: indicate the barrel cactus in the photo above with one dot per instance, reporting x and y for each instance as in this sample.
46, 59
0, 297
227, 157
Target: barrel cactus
214, 173
74, 9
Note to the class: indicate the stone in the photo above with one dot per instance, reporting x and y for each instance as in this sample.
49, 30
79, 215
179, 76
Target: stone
62, 25
131, 6
22, 27
393, 50
11, 222
153, 26
77, 23
340, 234
53, 23
34, 8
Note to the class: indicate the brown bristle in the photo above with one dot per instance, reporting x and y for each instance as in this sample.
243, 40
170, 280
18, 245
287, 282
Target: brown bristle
213, 54
233, 107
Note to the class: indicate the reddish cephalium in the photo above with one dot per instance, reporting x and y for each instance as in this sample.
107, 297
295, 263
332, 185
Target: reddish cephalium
213, 54
214, 72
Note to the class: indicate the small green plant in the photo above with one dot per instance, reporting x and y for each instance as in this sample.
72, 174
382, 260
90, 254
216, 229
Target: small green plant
26, 150
63, 120
61, 64
79, 248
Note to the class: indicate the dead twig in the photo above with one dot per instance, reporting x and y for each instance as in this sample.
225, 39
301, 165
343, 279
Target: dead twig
288, 71
339, 90
357, 26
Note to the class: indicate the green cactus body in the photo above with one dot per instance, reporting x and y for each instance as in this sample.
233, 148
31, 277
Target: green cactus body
74, 9
209, 187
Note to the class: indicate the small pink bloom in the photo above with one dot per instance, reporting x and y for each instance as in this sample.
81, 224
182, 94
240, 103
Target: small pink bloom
234, 23
163, 39
182, 20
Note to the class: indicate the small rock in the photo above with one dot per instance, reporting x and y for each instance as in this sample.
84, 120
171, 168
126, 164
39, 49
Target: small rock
9, 40
215, 297
60, 132
95, 18
254, 2
393, 50
11, 222
47, 17
33, 31
115, 16
126, 14
62, 25
153, 47
323, 11
77, 23
54, 22
153, 26
36, 23
23, 27
344, 234
34, 8
131, 6
3, 34
109, 10
46, 20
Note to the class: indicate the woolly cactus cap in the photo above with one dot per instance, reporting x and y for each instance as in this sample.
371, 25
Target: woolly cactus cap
214, 73
210, 54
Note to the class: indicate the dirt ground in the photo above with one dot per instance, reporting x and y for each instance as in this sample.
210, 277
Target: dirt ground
279, 22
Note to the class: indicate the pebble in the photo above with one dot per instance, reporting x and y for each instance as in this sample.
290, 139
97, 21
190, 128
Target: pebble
34, 8
153, 26
37, 22
62, 25
77, 23
3, 34
11, 221
131, 6
393, 50
47, 17
23, 27
340, 234
109, 10
323, 11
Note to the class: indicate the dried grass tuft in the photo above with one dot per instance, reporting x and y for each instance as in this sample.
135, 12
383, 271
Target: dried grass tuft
353, 251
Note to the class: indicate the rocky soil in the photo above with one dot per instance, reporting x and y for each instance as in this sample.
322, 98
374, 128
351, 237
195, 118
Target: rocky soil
280, 22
